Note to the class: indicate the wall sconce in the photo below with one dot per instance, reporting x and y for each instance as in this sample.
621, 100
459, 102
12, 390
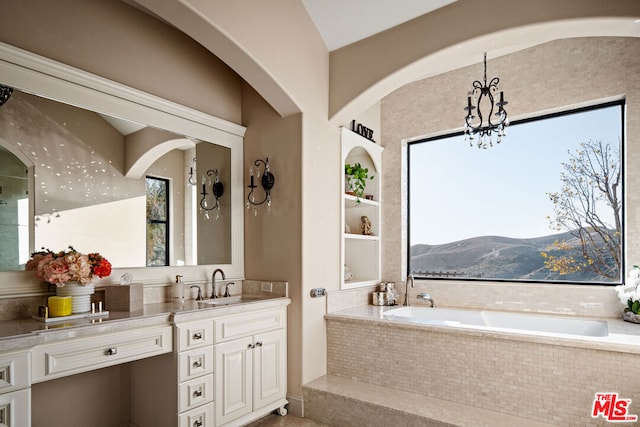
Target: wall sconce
217, 190
266, 181
5, 94
192, 171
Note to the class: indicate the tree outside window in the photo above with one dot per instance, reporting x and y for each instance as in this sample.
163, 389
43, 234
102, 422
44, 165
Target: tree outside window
157, 221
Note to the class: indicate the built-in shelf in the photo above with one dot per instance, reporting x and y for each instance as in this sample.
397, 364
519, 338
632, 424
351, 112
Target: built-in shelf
352, 202
361, 237
361, 254
359, 283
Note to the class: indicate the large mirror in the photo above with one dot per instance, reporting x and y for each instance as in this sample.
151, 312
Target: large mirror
139, 193
82, 197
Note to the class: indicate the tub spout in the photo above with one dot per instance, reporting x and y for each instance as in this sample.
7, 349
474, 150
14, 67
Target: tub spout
426, 297
406, 290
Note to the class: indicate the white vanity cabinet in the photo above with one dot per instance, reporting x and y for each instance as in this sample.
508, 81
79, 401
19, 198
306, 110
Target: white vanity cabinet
73, 356
194, 347
229, 368
251, 366
15, 394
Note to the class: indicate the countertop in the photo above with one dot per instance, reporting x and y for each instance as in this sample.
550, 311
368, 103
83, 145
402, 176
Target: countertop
26, 333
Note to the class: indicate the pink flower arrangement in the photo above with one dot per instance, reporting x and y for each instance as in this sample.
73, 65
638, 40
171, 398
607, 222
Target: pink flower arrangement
70, 265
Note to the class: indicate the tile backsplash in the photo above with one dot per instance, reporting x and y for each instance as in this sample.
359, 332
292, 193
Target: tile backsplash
577, 300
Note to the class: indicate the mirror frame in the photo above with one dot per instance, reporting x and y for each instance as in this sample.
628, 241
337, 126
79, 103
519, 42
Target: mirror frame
44, 77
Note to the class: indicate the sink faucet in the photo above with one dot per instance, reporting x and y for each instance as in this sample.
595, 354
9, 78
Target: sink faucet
406, 291
426, 297
213, 281
199, 297
226, 289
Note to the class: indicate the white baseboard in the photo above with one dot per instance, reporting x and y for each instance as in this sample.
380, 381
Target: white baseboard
296, 405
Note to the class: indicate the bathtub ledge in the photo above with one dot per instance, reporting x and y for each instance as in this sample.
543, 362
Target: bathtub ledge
623, 337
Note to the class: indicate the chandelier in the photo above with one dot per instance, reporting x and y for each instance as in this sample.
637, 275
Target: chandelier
482, 95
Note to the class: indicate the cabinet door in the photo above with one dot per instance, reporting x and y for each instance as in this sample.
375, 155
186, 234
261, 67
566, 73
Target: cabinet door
15, 409
233, 370
270, 368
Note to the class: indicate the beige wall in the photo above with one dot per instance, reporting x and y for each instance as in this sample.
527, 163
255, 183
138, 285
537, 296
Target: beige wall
121, 43
273, 249
452, 36
558, 75
292, 74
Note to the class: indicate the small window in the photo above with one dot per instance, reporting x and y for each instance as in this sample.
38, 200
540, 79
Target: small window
545, 205
157, 221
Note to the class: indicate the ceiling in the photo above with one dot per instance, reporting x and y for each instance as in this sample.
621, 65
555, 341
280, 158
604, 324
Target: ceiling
342, 22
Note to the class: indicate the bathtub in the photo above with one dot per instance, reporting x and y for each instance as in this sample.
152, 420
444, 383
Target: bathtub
534, 324
541, 367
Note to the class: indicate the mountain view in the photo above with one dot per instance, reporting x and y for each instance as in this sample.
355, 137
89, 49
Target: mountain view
494, 257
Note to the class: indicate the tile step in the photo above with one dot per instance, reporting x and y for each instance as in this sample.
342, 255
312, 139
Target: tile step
339, 401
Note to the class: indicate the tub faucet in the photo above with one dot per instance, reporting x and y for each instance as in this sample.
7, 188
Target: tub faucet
406, 290
426, 297
213, 281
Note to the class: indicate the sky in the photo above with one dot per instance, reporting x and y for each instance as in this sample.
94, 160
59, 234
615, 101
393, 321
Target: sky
458, 191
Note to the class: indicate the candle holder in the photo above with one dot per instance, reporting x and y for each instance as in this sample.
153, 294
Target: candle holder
267, 181
217, 190
191, 180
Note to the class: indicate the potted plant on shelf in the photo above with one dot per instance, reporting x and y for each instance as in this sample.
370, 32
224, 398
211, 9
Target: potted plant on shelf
356, 178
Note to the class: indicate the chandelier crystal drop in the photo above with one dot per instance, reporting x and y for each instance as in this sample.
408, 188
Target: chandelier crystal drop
485, 131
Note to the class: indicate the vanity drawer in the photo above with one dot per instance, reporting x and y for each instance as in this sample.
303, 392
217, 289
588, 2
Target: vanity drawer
195, 363
194, 335
86, 354
195, 392
246, 324
201, 416
14, 372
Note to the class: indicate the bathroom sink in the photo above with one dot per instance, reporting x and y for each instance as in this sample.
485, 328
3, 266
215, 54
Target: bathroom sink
226, 301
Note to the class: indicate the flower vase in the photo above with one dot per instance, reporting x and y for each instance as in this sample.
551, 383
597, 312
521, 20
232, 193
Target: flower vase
80, 294
628, 316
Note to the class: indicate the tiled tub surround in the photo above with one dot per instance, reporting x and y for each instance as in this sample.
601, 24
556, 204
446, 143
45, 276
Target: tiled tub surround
548, 379
578, 300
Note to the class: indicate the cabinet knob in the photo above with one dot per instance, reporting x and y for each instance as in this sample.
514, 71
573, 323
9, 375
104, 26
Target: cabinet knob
197, 423
251, 346
112, 351
197, 363
197, 336
197, 393
259, 344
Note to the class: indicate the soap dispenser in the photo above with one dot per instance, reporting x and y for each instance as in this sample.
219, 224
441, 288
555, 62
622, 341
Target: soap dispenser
178, 290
